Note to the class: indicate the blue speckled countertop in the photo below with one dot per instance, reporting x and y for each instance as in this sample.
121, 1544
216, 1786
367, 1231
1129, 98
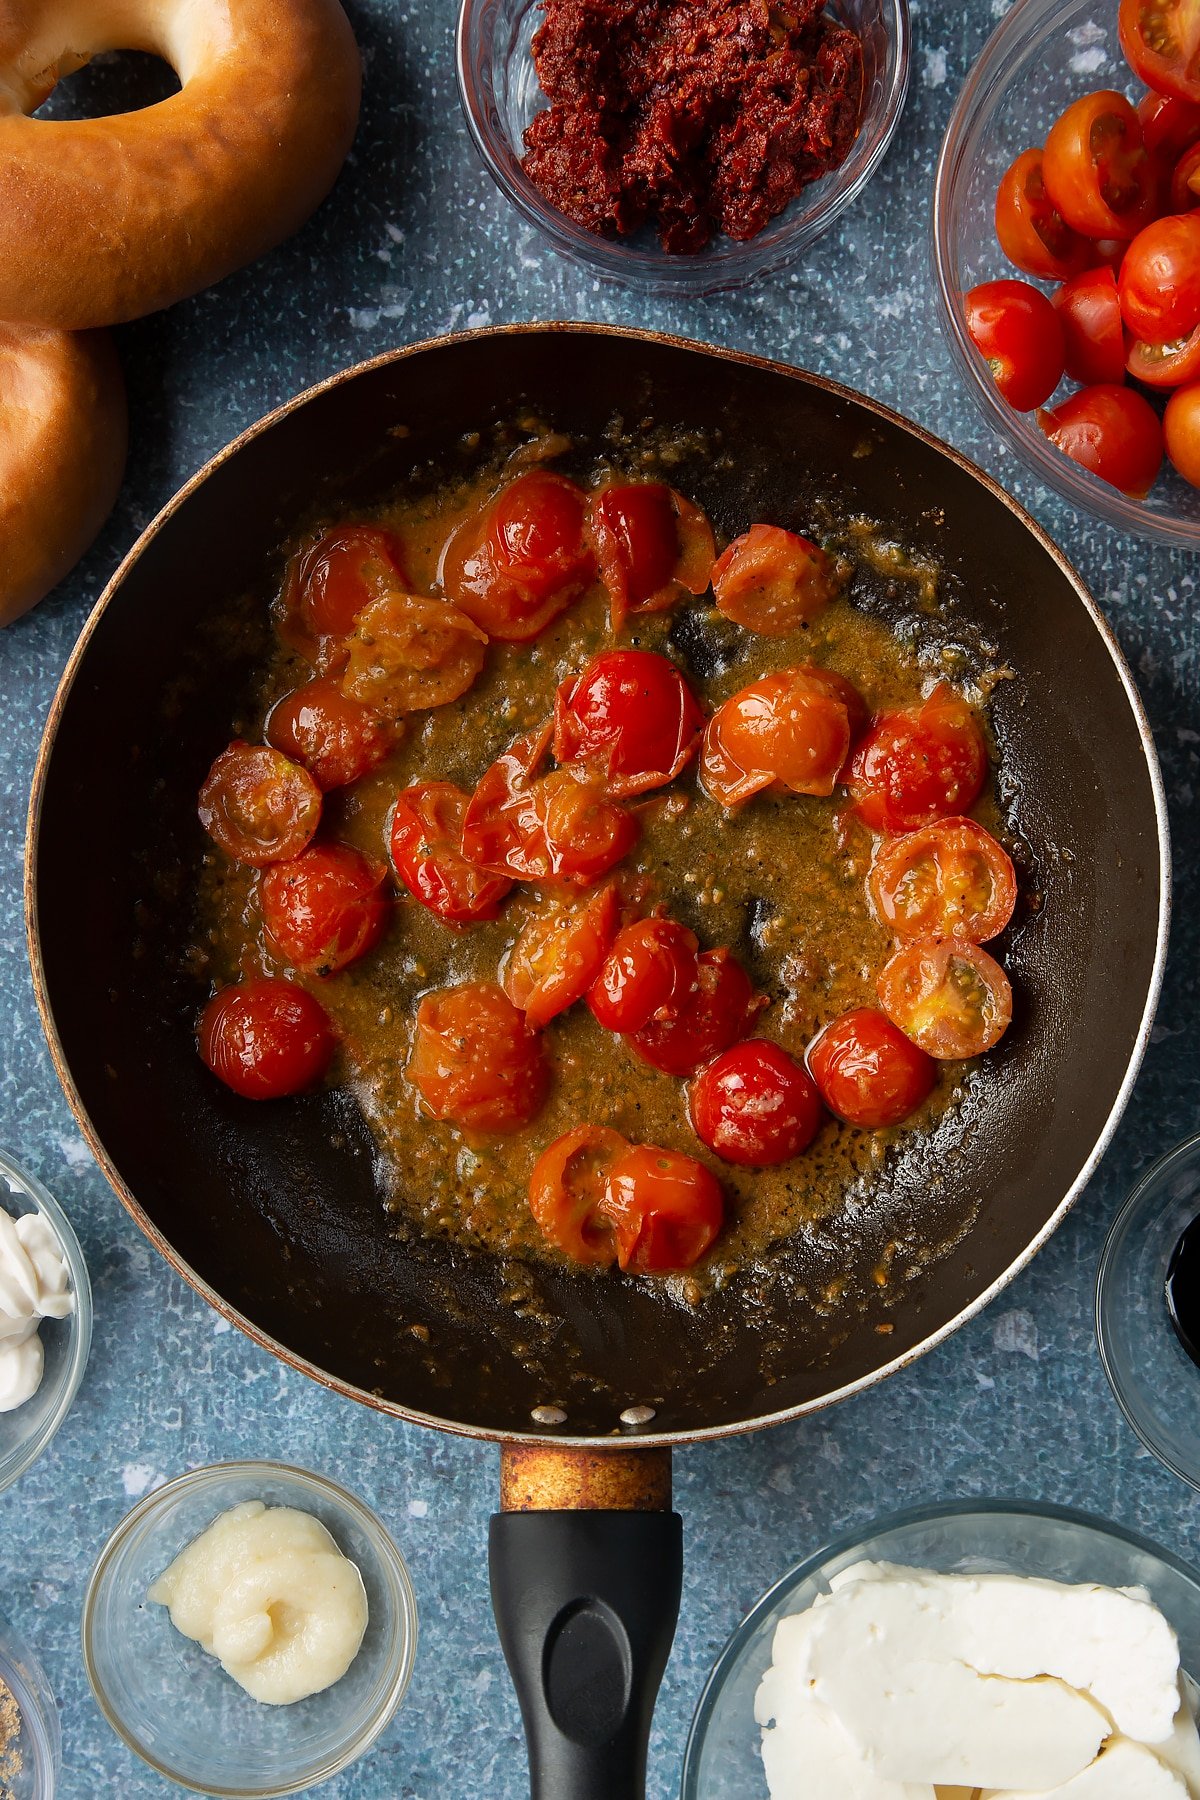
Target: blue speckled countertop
414, 242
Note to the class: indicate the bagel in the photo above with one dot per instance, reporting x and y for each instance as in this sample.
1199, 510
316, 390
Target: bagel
103, 220
62, 455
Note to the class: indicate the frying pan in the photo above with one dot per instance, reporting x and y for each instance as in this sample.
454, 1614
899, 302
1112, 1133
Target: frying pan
272, 1211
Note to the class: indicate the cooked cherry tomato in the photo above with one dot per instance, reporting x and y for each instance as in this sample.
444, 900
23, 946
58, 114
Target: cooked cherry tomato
650, 969
773, 581
1165, 365
257, 805
1181, 429
543, 827
338, 740
1093, 338
952, 999
1112, 431
426, 846
1169, 125
475, 1061
1033, 233
522, 559
1096, 169
950, 879
345, 570
407, 653
324, 908
869, 1073
1161, 41
627, 722
653, 546
1185, 181
666, 1209
1019, 335
265, 1038
791, 728
715, 1012
1160, 280
925, 763
558, 955
755, 1104
568, 1187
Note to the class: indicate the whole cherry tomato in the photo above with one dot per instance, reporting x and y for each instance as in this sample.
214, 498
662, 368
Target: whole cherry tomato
265, 1038
475, 1061
666, 1209
927, 762
343, 571
1161, 41
650, 969
755, 1104
338, 740
407, 653
950, 998
790, 729
714, 1013
652, 545
568, 1186
324, 908
543, 827
1032, 232
558, 955
257, 805
1165, 365
773, 581
516, 564
627, 722
868, 1072
1020, 337
425, 841
1113, 432
1181, 429
1160, 280
1096, 169
1093, 336
949, 879
1169, 125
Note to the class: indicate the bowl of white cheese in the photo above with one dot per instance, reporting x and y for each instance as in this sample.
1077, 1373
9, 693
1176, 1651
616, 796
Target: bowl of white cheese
986, 1652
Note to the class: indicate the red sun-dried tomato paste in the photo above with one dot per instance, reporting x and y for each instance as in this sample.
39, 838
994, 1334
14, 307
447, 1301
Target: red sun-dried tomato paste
700, 116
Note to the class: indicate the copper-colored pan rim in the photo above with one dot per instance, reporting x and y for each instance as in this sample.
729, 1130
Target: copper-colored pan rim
647, 1439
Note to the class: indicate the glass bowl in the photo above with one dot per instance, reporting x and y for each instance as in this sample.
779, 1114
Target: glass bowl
722, 1760
174, 1704
37, 1748
1156, 1383
25, 1433
500, 94
1042, 55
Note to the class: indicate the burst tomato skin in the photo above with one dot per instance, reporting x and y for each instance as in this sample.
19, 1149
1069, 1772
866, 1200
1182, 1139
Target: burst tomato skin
918, 765
1020, 337
714, 1013
567, 1189
543, 827
666, 1210
257, 805
1031, 231
1093, 335
425, 842
949, 879
652, 546
773, 581
343, 571
627, 722
324, 908
520, 561
790, 729
338, 740
1112, 431
475, 1062
1159, 285
1161, 41
952, 999
1181, 429
868, 1073
265, 1038
1096, 169
558, 954
755, 1105
407, 653
650, 968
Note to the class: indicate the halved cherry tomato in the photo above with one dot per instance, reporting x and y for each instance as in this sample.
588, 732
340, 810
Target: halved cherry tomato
516, 564
627, 722
773, 581
1181, 429
1033, 233
1165, 365
1185, 181
257, 805
543, 827
558, 954
714, 1013
653, 546
755, 1104
952, 999
1096, 169
324, 908
1169, 125
406, 653
426, 848
1093, 337
1161, 41
650, 969
343, 571
666, 1209
338, 740
475, 1061
265, 1038
1112, 431
1160, 280
568, 1186
868, 1072
1020, 337
950, 879
791, 728
925, 763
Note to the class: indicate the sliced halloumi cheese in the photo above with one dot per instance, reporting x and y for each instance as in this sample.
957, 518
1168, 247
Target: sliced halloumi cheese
807, 1753
1123, 1771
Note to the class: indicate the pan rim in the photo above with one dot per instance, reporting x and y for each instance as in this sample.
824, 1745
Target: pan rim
641, 1437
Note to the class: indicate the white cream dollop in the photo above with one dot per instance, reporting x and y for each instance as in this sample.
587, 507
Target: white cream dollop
34, 1285
268, 1593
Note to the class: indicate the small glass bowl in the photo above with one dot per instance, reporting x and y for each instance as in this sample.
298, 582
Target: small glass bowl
1156, 1383
38, 1743
500, 94
25, 1433
1043, 55
174, 1704
723, 1761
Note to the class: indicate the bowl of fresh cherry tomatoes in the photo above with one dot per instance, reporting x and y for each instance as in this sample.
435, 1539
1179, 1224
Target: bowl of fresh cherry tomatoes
1067, 251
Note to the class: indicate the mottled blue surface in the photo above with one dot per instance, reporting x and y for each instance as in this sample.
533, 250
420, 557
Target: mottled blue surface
415, 242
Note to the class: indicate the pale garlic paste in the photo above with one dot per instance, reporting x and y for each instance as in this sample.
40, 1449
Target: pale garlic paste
268, 1593
34, 1285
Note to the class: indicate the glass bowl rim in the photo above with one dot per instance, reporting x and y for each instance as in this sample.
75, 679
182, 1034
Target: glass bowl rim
211, 1475
35, 1701
78, 1320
